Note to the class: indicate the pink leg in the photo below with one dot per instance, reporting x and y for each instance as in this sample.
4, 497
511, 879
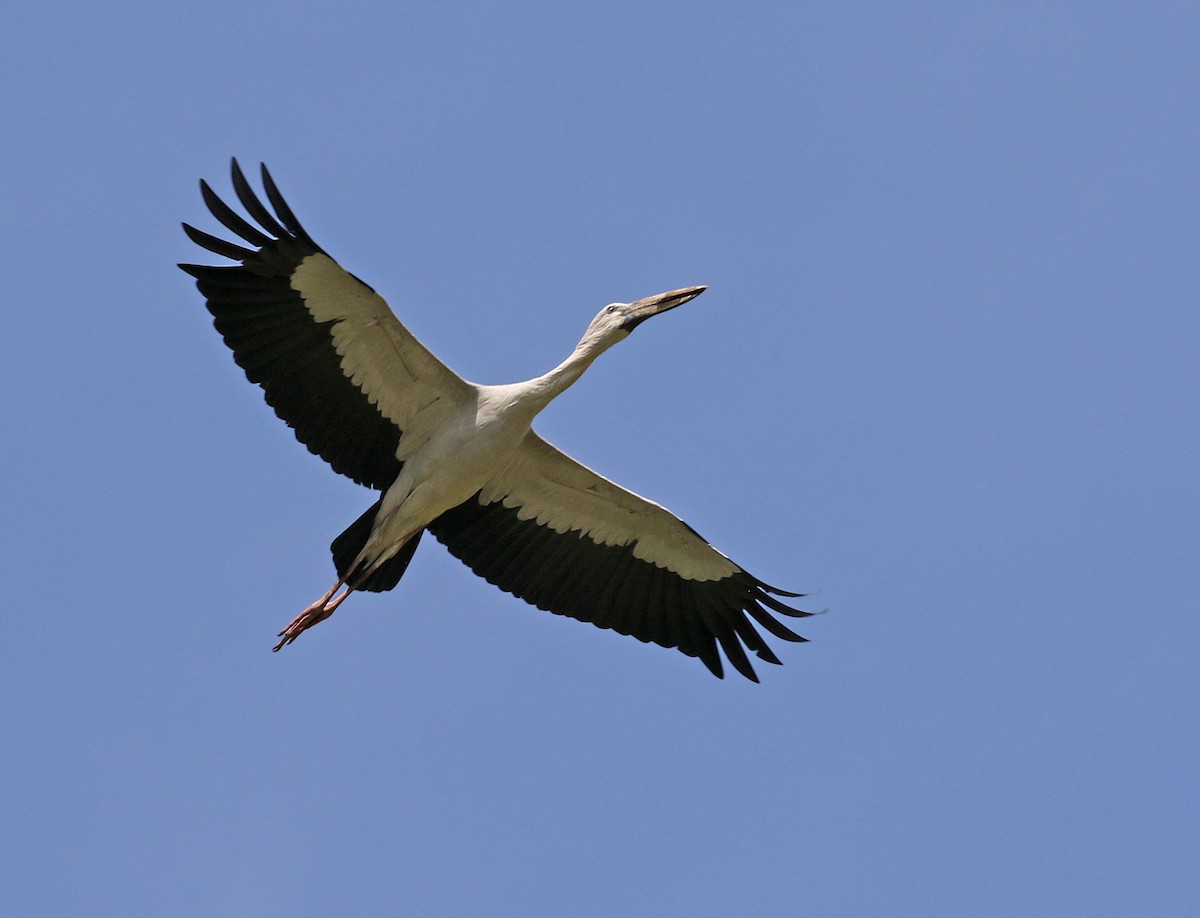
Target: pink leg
317, 612
325, 606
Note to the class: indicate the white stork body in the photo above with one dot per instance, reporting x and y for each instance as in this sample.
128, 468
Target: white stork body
461, 459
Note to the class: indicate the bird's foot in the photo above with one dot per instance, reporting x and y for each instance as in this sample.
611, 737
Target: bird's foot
314, 614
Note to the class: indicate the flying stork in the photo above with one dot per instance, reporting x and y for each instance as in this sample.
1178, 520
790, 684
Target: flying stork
461, 459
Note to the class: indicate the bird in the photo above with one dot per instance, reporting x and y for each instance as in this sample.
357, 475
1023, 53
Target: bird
461, 460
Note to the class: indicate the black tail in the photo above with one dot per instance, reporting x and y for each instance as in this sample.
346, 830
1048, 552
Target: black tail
346, 547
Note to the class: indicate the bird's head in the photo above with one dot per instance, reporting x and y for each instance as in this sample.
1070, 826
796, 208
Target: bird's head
616, 320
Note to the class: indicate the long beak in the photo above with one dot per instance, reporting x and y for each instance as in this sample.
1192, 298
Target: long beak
640, 310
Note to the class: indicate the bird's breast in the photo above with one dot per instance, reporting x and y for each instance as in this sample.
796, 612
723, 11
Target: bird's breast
455, 461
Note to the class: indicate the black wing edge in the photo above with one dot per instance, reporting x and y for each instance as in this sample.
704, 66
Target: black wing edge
275, 339
606, 585
280, 249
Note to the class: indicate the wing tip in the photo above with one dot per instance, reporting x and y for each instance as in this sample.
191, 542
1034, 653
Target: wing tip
712, 660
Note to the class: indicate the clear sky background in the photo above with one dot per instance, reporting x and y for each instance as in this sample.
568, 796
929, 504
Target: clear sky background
945, 377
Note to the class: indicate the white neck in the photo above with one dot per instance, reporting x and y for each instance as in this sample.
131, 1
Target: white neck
541, 390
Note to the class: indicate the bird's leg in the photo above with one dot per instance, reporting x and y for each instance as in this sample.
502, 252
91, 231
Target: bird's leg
327, 604
317, 612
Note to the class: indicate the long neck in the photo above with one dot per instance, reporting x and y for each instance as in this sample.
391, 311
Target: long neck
540, 391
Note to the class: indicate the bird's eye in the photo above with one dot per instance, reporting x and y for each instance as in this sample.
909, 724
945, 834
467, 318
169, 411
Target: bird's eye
611, 307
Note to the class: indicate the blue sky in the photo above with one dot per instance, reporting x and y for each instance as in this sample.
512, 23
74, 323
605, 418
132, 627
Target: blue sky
945, 377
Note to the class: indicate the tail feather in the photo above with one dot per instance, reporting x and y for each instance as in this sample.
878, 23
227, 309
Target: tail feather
347, 546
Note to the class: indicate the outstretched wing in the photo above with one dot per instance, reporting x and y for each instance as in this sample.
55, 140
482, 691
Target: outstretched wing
333, 360
554, 533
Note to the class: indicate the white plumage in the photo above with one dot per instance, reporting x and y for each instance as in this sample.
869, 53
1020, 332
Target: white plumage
460, 459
